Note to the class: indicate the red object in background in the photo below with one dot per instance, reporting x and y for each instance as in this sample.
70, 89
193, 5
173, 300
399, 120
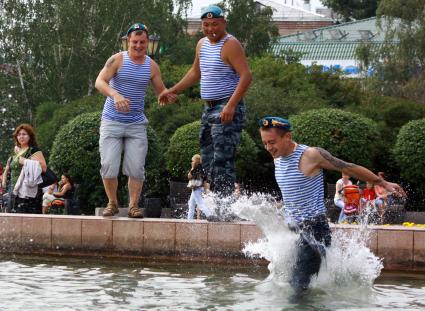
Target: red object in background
351, 199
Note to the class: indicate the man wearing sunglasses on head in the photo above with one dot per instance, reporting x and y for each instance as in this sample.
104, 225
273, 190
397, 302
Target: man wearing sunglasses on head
124, 80
299, 174
222, 69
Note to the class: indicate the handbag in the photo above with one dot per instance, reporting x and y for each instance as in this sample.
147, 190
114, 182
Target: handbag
49, 178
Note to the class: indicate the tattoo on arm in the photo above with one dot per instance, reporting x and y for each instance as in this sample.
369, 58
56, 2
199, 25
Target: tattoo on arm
110, 62
338, 163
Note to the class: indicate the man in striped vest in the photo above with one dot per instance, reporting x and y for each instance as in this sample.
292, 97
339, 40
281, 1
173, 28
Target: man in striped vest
299, 174
221, 67
124, 80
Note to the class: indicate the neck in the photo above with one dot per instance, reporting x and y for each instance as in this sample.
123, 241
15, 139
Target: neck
291, 148
140, 59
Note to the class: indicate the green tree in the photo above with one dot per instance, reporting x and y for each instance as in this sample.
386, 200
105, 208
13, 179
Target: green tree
58, 47
252, 24
353, 9
11, 106
400, 64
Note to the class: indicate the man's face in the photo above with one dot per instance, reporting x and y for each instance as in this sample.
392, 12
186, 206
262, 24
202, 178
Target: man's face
214, 28
276, 143
138, 43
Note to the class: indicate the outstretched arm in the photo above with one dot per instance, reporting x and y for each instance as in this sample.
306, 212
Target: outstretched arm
190, 78
326, 160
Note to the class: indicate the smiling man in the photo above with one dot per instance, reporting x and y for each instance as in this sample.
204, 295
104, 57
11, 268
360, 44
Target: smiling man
221, 67
124, 80
299, 174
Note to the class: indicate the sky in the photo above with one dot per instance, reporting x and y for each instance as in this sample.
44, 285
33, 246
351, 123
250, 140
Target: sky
198, 4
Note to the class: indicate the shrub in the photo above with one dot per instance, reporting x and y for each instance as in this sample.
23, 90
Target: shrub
409, 152
76, 151
167, 119
346, 135
49, 123
185, 143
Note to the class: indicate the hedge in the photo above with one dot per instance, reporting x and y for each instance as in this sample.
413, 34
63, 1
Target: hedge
409, 152
185, 143
50, 117
348, 136
76, 151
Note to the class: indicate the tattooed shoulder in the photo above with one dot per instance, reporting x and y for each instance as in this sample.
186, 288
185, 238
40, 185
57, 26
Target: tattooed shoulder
338, 163
110, 61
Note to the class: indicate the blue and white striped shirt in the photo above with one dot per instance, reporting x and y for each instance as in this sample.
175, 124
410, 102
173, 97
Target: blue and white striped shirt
218, 80
131, 81
303, 196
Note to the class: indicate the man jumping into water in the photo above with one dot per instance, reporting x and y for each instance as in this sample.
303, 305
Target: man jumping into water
299, 174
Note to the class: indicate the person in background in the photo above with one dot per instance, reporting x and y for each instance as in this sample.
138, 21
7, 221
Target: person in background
64, 187
25, 149
339, 195
197, 183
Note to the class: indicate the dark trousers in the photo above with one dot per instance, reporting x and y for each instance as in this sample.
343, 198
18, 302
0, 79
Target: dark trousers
315, 236
218, 143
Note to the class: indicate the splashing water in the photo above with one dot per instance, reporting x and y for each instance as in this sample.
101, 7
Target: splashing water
349, 263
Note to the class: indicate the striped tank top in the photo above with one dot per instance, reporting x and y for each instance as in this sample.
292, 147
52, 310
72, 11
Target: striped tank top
131, 81
218, 80
303, 196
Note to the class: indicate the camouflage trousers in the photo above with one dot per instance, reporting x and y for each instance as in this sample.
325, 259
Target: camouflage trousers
218, 146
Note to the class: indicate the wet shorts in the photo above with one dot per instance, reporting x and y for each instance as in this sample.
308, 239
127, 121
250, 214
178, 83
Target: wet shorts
116, 137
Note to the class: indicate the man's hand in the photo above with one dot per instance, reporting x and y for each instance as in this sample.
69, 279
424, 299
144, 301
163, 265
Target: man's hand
166, 97
394, 188
227, 114
122, 104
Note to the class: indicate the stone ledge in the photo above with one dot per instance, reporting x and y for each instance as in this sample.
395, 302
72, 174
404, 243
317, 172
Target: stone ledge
186, 240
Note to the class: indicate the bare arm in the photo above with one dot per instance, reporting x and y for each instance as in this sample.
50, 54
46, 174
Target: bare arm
61, 193
190, 78
156, 79
234, 55
326, 160
113, 64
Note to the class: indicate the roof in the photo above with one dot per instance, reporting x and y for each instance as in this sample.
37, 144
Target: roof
333, 42
365, 29
286, 12
323, 50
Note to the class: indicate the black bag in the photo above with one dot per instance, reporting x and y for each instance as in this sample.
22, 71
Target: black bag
49, 178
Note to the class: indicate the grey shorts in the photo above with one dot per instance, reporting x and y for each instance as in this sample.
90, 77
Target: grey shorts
116, 137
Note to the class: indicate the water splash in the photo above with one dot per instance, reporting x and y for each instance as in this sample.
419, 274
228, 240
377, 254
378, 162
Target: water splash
349, 262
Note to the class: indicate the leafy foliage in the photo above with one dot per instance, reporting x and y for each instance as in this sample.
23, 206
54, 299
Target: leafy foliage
252, 25
185, 143
60, 46
52, 116
11, 106
348, 136
353, 9
409, 152
76, 151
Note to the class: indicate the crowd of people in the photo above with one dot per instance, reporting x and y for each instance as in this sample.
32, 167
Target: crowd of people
221, 67
355, 201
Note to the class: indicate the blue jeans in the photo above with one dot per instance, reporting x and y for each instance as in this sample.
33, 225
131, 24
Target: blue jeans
218, 146
315, 236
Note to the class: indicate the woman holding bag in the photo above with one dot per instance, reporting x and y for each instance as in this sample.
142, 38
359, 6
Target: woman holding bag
26, 200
